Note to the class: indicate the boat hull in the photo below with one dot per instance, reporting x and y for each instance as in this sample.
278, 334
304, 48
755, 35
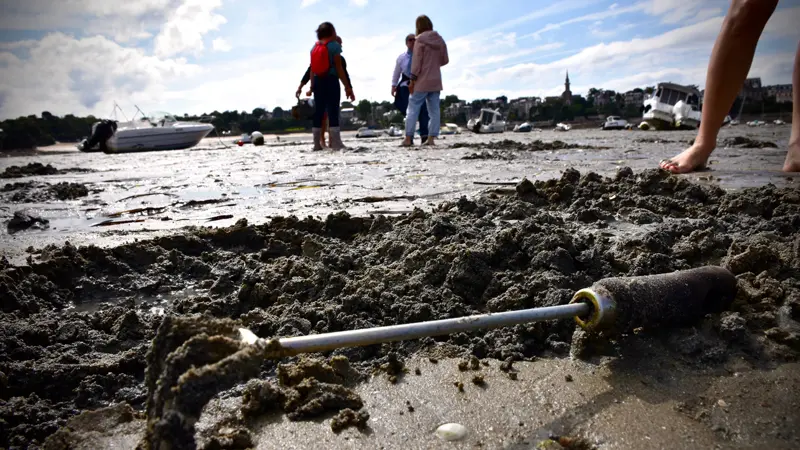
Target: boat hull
157, 139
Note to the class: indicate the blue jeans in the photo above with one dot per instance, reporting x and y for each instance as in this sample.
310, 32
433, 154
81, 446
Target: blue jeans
401, 101
415, 101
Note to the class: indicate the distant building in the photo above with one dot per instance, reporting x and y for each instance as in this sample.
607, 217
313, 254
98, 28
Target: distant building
602, 98
522, 106
567, 95
634, 98
455, 109
347, 113
781, 92
752, 89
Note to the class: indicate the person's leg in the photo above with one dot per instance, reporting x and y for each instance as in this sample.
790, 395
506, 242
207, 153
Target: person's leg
324, 130
424, 122
415, 101
432, 101
402, 99
333, 115
730, 62
319, 112
792, 163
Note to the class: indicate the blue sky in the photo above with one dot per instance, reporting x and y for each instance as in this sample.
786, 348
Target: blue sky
196, 56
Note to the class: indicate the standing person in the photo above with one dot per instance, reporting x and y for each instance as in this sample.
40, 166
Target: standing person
326, 72
430, 54
730, 62
305, 80
400, 80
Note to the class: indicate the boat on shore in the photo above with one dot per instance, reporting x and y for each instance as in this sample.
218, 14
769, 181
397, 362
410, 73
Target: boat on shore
672, 106
489, 121
365, 132
562, 127
523, 128
161, 131
614, 123
450, 129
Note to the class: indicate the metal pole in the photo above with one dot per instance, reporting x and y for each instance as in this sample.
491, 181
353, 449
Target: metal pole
377, 335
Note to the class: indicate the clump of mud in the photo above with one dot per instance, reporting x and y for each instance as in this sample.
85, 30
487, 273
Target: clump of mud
520, 248
24, 220
746, 142
504, 156
36, 169
31, 192
534, 146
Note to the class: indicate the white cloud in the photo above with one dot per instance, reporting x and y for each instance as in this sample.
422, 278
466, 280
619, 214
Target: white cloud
359, 3
65, 75
613, 11
306, 3
784, 23
185, 28
220, 45
16, 45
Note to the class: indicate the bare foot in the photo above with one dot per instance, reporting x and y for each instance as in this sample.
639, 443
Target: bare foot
406, 142
691, 159
792, 162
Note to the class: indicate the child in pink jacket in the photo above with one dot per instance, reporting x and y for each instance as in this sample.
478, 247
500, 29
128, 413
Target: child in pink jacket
429, 55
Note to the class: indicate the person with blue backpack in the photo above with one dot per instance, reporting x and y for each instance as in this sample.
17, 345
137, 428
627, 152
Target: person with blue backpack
326, 72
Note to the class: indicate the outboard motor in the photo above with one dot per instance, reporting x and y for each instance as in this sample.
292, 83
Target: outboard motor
101, 132
477, 127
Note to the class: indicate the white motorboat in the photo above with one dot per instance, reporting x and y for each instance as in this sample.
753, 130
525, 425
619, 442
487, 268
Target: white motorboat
523, 128
562, 127
490, 121
756, 123
161, 131
687, 115
659, 110
449, 129
779, 122
394, 131
255, 138
614, 123
365, 132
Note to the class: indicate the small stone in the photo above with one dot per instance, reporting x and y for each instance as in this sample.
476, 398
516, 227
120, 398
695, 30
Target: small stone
568, 378
451, 432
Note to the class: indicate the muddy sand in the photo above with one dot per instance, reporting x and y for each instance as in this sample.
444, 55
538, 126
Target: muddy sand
101, 344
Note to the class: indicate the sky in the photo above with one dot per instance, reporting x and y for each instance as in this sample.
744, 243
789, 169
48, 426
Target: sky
196, 56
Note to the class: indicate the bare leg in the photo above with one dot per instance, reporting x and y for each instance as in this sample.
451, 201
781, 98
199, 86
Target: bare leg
792, 163
324, 130
730, 62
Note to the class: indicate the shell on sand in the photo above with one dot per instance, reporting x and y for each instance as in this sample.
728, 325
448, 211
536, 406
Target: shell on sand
451, 431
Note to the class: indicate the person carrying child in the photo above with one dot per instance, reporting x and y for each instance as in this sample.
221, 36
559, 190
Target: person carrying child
326, 72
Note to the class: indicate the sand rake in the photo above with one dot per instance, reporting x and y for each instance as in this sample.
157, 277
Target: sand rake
192, 358
612, 304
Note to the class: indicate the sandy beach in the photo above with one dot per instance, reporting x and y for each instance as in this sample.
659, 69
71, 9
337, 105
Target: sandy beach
289, 242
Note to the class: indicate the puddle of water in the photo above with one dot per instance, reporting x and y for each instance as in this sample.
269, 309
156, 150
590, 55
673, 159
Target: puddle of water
157, 303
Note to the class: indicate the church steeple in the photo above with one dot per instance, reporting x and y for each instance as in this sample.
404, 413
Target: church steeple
567, 95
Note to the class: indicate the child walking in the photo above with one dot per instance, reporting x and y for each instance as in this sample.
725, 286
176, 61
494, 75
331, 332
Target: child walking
326, 71
429, 55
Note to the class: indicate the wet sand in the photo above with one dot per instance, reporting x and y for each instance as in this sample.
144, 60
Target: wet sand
79, 320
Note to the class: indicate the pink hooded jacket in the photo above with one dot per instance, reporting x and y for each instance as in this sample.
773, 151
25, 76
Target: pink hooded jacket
430, 54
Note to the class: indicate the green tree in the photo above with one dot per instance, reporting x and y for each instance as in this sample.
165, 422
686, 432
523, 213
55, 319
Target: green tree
258, 112
277, 113
364, 109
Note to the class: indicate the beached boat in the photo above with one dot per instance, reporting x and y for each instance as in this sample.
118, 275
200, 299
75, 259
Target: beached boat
490, 121
161, 131
670, 100
523, 128
365, 132
562, 127
614, 123
394, 131
450, 129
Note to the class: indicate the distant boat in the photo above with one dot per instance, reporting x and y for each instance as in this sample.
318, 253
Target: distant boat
161, 131
365, 132
490, 121
562, 127
449, 129
614, 123
523, 128
394, 131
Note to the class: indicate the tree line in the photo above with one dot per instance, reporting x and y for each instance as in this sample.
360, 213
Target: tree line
32, 131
